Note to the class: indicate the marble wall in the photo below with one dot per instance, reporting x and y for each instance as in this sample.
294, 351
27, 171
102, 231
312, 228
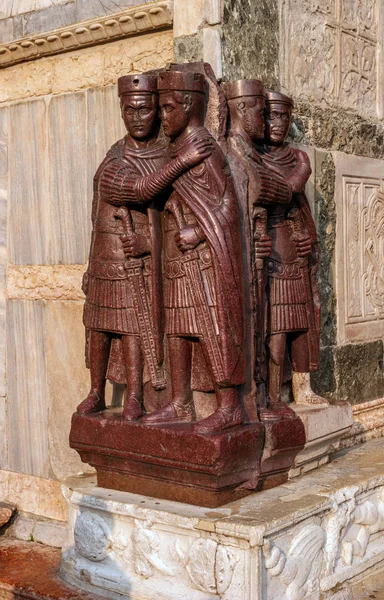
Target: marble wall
58, 117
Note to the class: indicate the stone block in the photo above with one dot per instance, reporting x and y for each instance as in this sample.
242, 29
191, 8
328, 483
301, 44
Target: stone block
29, 214
187, 17
50, 533
300, 540
69, 204
359, 198
89, 9
26, 376
4, 133
49, 19
67, 382
359, 371
35, 495
324, 427
212, 50
78, 70
189, 48
5, 9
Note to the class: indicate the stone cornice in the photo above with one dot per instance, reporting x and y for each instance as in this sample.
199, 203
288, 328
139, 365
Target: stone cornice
132, 21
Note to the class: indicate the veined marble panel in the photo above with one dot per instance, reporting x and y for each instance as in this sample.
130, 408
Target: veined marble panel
338, 41
26, 376
29, 211
68, 179
4, 133
359, 248
67, 382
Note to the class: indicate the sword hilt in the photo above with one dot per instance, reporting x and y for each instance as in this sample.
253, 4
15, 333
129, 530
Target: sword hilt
260, 217
124, 215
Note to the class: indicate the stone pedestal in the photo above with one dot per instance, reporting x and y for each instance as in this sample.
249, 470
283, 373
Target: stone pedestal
169, 461
324, 427
304, 540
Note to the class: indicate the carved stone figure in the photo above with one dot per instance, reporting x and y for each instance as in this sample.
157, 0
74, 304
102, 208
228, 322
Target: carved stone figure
203, 291
260, 189
123, 284
292, 250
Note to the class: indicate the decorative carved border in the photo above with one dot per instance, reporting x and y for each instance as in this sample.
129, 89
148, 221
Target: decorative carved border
129, 22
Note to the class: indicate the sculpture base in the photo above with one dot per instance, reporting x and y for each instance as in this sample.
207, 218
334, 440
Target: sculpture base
169, 461
278, 544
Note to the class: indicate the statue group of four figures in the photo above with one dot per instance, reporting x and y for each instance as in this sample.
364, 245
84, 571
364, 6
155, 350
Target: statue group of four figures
192, 246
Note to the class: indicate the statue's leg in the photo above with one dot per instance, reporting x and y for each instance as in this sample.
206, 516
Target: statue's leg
276, 346
133, 362
99, 348
180, 408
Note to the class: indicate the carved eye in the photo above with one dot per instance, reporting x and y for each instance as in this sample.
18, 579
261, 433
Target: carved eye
129, 110
144, 111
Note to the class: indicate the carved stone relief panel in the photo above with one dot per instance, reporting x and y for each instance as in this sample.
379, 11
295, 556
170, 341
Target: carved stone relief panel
339, 41
360, 248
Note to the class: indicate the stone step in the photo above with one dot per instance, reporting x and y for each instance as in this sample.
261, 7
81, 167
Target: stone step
29, 571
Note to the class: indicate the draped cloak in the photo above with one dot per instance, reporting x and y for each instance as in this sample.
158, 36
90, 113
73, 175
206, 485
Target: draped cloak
207, 192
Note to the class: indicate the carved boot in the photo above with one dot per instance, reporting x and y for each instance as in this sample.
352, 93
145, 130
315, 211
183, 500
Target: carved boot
93, 403
221, 419
173, 412
133, 409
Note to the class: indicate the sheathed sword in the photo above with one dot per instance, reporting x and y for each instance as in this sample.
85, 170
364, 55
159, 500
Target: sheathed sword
192, 267
260, 217
134, 269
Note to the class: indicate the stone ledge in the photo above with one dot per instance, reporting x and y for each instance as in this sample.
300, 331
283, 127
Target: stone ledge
132, 21
303, 540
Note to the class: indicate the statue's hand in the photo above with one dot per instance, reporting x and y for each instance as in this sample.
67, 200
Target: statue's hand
263, 246
135, 245
303, 244
196, 151
188, 238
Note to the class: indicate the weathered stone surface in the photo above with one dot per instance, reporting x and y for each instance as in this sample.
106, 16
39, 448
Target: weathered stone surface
45, 282
189, 48
251, 40
4, 134
26, 376
69, 205
337, 129
41, 497
188, 17
212, 49
89, 9
359, 371
76, 70
29, 211
359, 195
67, 383
341, 42
6, 30
50, 19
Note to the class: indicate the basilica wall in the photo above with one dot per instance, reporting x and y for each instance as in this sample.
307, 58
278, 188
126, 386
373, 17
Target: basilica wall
59, 113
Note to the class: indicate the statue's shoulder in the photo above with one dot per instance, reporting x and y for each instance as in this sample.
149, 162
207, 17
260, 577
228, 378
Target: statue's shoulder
117, 149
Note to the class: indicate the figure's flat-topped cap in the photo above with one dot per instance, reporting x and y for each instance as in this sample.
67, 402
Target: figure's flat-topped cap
140, 83
277, 97
182, 81
243, 87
